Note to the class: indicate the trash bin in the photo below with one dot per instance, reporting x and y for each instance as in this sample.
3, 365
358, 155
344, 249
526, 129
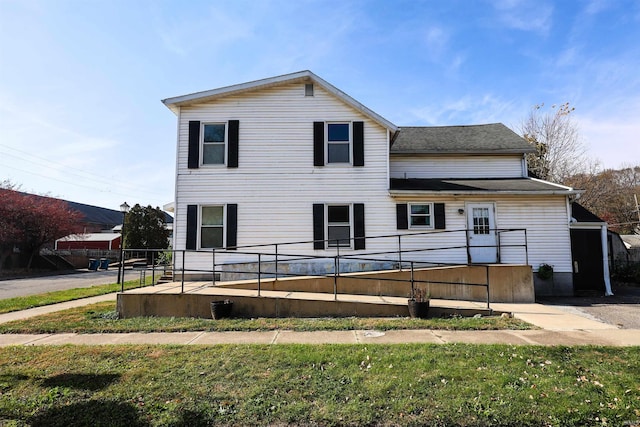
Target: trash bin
104, 264
93, 264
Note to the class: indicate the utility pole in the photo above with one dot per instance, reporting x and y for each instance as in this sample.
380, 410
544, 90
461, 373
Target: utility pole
637, 211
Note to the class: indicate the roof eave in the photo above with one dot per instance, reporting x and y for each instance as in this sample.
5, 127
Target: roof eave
460, 152
174, 103
400, 193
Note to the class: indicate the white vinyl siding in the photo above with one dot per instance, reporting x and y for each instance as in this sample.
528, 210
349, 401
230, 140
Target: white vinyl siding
276, 184
456, 167
544, 218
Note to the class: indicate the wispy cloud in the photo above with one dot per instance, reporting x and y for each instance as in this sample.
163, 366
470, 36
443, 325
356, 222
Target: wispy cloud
204, 31
525, 15
469, 109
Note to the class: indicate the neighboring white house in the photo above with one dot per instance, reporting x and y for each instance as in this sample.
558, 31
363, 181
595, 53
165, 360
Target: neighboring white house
294, 159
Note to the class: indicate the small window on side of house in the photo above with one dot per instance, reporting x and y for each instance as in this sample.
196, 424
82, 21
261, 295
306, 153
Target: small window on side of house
421, 215
308, 89
214, 143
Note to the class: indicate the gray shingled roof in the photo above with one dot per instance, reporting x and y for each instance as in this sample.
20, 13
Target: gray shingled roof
493, 138
504, 185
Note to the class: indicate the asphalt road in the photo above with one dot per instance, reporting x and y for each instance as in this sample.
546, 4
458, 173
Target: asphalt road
622, 309
80, 279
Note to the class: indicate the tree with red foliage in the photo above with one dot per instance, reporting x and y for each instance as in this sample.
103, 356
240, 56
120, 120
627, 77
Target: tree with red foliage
29, 221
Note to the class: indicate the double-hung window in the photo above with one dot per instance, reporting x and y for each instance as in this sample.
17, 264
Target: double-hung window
339, 225
214, 143
212, 227
338, 142
421, 215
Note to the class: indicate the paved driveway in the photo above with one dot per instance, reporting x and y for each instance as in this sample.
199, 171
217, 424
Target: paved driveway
622, 309
80, 279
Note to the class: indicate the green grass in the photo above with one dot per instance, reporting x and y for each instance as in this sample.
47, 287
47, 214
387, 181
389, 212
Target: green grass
23, 303
328, 385
102, 317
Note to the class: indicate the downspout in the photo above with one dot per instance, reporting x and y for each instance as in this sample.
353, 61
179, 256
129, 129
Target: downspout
605, 260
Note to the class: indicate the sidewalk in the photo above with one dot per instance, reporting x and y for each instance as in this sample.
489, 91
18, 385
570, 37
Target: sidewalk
557, 328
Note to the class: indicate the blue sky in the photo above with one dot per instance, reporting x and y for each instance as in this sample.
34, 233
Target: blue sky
81, 81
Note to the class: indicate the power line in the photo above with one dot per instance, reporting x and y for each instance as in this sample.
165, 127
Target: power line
48, 164
78, 185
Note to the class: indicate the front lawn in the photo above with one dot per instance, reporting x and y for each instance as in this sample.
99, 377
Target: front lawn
327, 385
102, 317
39, 300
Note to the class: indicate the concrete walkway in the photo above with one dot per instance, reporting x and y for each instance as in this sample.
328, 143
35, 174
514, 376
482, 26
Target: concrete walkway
557, 328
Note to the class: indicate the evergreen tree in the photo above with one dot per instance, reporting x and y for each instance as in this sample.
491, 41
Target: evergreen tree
145, 228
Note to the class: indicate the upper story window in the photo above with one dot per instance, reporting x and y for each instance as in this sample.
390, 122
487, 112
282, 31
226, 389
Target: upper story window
338, 142
421, 215
214, 144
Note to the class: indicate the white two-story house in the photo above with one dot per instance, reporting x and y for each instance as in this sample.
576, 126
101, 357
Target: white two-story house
294, 159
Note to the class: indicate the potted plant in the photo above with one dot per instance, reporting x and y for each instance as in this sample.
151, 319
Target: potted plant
221, 309
545, 271
419, 303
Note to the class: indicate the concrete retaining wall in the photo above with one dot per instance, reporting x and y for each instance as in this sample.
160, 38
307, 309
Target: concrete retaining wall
507, 283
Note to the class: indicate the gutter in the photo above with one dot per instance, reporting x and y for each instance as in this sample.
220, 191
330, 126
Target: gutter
403, 193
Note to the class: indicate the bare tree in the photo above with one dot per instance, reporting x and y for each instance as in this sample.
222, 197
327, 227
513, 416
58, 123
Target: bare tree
610, 195
560, 152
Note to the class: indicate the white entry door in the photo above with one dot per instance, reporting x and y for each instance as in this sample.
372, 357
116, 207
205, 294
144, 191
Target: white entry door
481, 223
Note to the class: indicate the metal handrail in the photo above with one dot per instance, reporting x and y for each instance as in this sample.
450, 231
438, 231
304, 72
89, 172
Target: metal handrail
277, 256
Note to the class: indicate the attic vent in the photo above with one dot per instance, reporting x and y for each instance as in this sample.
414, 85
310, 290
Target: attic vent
308, 89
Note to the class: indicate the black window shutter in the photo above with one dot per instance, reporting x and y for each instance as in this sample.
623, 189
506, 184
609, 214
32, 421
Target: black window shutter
358, 226
194, 145
318, 226
402, 218
438, 213
358, 143
192, 226
318, 143
232, 226
232, 153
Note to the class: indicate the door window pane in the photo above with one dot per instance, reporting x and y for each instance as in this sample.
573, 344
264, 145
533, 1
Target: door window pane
481, 221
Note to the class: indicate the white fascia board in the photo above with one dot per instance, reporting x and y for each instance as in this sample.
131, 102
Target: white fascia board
174, 103
403, 193
226, 90
353, 103
587, 225
169, 207
557, 185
